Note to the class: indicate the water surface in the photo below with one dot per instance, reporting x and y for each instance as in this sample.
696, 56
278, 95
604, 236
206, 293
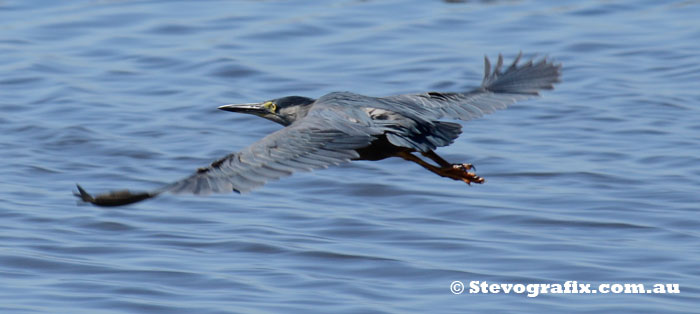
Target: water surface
596, 182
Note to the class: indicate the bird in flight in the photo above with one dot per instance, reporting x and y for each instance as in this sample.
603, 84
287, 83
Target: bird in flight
343, 126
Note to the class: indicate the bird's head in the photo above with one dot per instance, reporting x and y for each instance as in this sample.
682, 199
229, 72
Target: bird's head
283, 110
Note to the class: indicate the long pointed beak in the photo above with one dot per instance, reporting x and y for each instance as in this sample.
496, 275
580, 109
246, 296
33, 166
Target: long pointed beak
253, 108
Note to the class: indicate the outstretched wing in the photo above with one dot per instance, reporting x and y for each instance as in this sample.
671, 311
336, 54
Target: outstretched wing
498, 90
309, 144
321, 139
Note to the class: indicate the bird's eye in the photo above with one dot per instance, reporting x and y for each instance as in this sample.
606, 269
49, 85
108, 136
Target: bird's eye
270, 106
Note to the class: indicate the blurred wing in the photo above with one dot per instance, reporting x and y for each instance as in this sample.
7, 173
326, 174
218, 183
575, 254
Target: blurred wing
310, 143
498, 90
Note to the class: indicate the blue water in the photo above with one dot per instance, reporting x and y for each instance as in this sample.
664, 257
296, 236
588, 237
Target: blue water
597, 181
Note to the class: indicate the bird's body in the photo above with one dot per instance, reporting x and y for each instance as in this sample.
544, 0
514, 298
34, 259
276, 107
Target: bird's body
343, 126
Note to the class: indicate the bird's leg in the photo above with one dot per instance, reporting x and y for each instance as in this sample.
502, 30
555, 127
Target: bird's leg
443, 163
446, 169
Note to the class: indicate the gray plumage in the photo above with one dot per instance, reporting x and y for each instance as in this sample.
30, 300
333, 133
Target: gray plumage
343, 126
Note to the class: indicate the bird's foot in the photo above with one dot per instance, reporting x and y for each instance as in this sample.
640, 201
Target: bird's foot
464, 167
461, 172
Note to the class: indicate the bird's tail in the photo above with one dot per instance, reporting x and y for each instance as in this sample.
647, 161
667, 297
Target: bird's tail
525, 79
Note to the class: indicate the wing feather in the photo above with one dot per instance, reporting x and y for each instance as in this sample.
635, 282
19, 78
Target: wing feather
498, 90
302, 146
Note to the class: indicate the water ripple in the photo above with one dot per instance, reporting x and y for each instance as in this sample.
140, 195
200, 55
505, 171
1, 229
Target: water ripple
596, 181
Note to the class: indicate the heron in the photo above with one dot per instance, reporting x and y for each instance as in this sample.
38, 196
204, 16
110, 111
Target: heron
342, 126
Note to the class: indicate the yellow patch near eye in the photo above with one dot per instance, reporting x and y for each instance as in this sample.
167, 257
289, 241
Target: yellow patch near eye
270, 106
